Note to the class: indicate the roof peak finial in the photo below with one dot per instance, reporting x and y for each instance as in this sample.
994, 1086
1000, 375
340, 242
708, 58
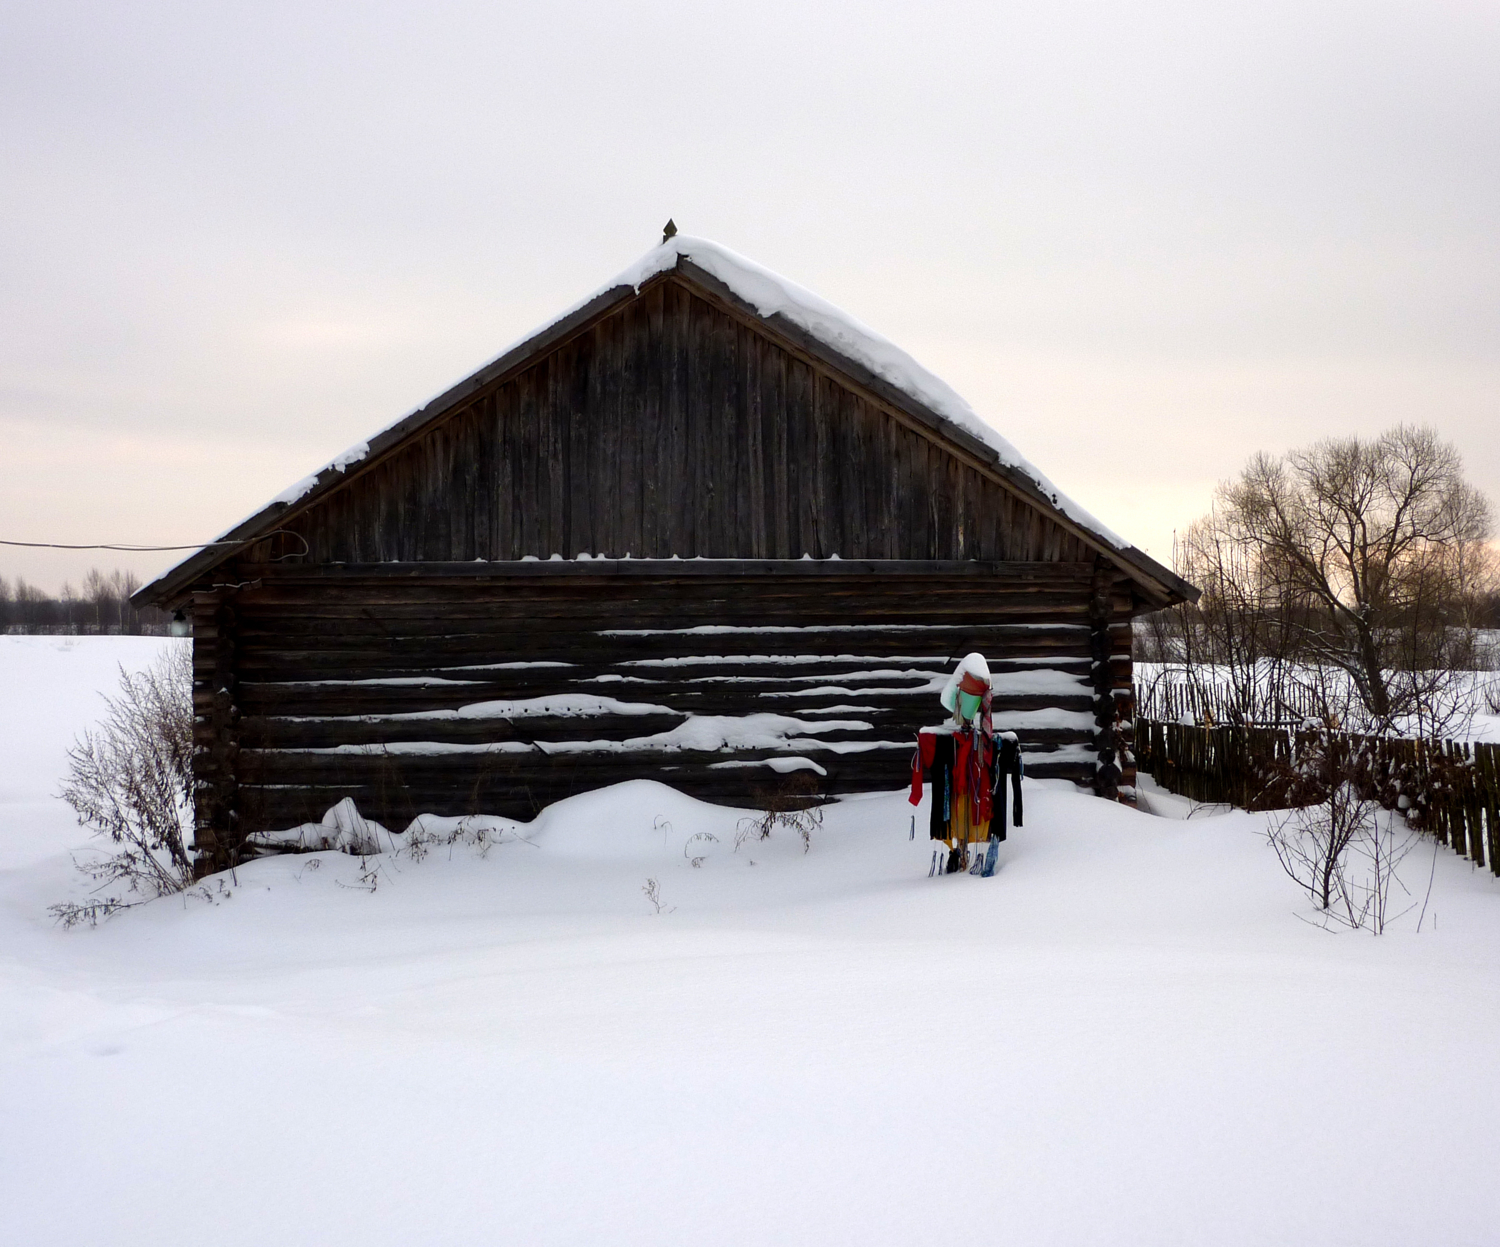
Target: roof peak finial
668, 230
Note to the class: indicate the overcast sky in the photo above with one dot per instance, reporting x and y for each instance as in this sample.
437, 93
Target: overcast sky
1144, 239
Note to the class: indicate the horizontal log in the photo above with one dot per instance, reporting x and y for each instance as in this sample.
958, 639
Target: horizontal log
443, 656
669, 595
596, 589
265, 766
283, 627
292, 572
270, 733
611, 636
437, 618
912, 696
734, 787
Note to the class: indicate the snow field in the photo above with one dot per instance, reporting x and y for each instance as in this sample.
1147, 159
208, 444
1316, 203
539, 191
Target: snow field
1125, 1037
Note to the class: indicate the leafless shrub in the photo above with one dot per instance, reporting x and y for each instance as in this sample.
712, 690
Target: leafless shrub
652, 891
1492, 696
703, 839
787, 805
472, 831
1336, 843
368, 879
90, 914
130, 782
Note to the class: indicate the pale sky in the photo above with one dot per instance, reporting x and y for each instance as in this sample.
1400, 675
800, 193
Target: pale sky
1144, 240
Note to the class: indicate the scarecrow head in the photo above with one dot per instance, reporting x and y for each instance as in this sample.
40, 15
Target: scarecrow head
967, 693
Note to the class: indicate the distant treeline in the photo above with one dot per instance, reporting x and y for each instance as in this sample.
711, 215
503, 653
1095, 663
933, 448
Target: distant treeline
100, 606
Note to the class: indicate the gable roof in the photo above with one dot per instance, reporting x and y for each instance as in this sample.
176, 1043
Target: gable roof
797, 313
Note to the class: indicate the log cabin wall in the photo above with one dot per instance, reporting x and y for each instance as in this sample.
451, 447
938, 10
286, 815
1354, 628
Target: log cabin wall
461, 688
674, 426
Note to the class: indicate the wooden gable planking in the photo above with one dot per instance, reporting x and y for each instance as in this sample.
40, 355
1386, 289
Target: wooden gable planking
671, 426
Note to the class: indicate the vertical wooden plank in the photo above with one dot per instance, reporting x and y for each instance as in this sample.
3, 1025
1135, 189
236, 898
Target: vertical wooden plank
856, 490
723, 433
774, 379
441, 501
702, 476
986, 504
472, 499
801, 449
402, 528
914, 504
963, 527
754, 480
528, 451
824, 495
519, 402
890, 479
499, 478
680, 509
636, 427
1490, 773
973, 516
939, 470
604, 467
585, 395
653, 442
620, 421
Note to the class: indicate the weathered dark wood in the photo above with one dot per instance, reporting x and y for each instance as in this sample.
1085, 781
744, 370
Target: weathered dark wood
576, 440
1106, 709
863, 646
624, 511
218, 828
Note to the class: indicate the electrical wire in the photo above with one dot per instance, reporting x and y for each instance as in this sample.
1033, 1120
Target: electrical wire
135, 549
57, 545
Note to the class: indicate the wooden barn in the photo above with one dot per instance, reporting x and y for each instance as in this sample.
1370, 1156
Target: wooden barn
702, 528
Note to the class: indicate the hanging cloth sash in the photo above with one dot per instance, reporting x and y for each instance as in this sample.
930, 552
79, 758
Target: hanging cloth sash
1008, 762
934, 757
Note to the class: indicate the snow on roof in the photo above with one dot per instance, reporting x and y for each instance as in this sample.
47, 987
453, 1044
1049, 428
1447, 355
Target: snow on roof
771, 295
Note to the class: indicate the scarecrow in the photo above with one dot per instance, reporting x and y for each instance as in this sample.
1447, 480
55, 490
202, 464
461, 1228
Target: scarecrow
967, 764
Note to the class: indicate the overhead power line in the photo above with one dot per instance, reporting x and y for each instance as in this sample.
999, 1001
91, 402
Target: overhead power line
132, 548
58, 545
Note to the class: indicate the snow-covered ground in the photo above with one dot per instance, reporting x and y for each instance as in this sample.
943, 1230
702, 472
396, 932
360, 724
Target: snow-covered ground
1126, 1036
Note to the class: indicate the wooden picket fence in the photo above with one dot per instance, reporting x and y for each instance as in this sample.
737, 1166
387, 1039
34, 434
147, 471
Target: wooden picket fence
1449, 789
1171, 700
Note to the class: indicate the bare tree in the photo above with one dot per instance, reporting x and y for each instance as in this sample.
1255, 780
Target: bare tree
126, 583
130, 783
99, 594
1372, 553
1232, 650
1335, 842
1235, 630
